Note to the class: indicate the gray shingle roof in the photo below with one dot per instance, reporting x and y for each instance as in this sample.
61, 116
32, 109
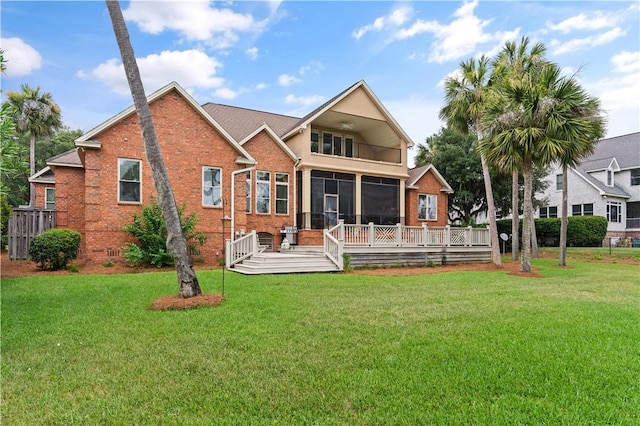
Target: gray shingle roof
240, 122
68, 158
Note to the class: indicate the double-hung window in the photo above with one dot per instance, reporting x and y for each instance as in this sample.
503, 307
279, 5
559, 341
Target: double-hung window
211, 186
50, 198
129, 180
427, 207
282, 193
582, 209
559, 183
263, 192
635, 177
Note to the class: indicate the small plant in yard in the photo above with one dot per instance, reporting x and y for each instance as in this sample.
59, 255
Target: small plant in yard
108, 263
150, 230
73, 268
346, 263
53, 249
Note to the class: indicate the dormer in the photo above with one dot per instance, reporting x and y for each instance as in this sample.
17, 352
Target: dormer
611, 171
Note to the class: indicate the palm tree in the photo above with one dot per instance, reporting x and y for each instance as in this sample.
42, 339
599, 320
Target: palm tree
516, 59
538, 117
38, 115
176, 242
465, 99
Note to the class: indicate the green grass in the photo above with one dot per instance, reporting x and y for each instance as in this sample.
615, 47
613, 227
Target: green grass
613, 254
337, 349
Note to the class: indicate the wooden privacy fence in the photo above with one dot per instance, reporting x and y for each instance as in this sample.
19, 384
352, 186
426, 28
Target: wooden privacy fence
24, 225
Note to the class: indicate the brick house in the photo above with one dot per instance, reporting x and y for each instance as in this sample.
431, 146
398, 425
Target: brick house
346, 160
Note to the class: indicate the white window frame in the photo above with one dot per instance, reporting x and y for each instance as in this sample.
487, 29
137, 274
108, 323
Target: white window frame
559, 182
610, 178
618, 205
139, 181
248, 189
286, 186
267, 183
47, 203
430, 204
205, 198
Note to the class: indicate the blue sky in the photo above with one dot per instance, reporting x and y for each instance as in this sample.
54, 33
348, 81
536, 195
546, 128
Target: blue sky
289, 57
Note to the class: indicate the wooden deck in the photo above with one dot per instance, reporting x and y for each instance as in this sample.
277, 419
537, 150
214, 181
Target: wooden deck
365, 245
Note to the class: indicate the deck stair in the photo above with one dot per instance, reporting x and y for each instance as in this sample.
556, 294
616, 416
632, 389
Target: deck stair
285, 263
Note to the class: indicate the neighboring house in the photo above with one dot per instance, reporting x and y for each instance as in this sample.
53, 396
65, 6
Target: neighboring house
606, 183
345, 160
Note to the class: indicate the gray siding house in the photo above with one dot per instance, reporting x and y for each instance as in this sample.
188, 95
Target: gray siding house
606, 183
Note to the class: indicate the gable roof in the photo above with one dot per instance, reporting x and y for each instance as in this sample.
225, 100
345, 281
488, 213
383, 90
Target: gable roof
275, 137
416, 174
87, 139
307, 119
240, 122
69, 158
625, 150
43, 176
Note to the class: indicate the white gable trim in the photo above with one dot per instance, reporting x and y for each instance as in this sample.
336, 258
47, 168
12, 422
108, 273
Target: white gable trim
445, 185
37, 179
275, 137
348, 92
86, 139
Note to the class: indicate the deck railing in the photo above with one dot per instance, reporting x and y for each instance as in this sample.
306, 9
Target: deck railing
334, 244
241, 248
410, 236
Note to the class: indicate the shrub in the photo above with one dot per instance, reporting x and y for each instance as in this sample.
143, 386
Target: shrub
150, 230
582, 231
53, 249
5, 214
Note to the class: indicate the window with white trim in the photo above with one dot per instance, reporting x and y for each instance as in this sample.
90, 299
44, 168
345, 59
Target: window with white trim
248, 188
559, 183
263, 192
614, 211
129, 180
547, 212
282, 193
582, 209
50, 198
635, 177
427, 207
211, 186
609, 177
328, 143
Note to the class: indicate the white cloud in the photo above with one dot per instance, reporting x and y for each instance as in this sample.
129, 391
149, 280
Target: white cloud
626, 62
195, 20
577, 44
459, 38
313, 66
252, 53
21, 58
225, 93
582, 21
261, 86
396, 18
158, 70
619, 93
304, 100
286, 80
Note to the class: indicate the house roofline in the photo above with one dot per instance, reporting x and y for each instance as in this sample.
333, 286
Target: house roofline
307, 120
85, 140
601, 192
274, 136
445, 185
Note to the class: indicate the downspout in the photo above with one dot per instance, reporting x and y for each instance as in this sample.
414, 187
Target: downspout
233, 197
295, 192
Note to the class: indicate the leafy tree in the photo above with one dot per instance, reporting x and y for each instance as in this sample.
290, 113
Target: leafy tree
13, 154
535, 117
176, 242
37, 115
466, 96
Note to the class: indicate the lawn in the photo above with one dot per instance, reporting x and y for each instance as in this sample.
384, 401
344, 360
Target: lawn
333, 349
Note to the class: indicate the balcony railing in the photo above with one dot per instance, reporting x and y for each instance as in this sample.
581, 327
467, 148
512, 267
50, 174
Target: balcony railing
365, 151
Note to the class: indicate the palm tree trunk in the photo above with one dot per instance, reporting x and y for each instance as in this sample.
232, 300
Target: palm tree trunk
491, 213
176, 243
534, 235
515, 217
525, 265
32, 170
564, 219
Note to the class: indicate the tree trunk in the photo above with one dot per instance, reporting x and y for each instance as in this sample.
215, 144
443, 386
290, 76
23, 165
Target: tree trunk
534, 235
176, 243
491, 213
32, 170
515, 217
564, 219
525, 265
